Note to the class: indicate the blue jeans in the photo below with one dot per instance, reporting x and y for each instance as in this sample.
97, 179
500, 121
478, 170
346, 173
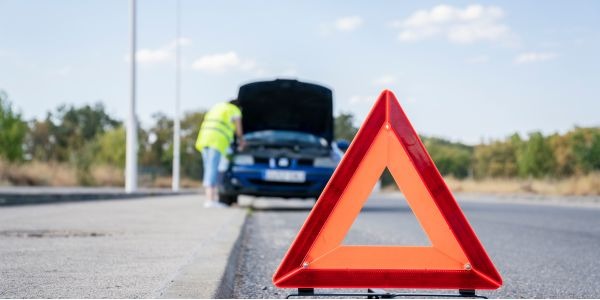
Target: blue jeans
210, 159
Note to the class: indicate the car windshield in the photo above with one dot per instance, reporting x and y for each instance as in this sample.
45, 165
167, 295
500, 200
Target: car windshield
286, 138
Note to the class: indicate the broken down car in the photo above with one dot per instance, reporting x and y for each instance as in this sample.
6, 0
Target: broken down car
290, 152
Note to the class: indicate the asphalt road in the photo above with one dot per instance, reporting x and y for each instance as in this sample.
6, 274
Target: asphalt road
541, 251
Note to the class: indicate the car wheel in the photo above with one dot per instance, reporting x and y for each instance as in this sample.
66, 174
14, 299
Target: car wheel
228, 199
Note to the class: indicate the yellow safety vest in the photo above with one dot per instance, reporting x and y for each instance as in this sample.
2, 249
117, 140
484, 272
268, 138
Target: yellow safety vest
217, 129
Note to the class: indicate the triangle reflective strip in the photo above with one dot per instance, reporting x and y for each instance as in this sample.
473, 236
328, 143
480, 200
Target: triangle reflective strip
317, 257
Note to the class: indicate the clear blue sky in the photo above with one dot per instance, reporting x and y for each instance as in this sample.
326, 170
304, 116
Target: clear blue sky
462, 70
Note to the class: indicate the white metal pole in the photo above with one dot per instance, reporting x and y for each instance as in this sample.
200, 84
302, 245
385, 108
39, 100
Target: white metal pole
176, 121
131, 144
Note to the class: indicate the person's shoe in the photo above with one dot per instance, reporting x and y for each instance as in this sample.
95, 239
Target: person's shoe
220, 205
214, 204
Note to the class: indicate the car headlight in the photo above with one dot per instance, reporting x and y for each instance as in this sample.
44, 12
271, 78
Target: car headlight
243, 160
324, 162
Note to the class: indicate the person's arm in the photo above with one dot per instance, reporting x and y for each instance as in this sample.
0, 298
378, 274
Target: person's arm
239, 131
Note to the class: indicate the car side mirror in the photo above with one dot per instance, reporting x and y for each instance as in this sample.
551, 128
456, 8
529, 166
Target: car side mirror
342, 145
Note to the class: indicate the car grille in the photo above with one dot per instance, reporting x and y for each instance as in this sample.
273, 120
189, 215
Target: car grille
261, 160
305, 162
276, 183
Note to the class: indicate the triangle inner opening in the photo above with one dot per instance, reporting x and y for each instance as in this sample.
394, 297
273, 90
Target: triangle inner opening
386, 219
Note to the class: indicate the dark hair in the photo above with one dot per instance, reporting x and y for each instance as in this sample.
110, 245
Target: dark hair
235, 102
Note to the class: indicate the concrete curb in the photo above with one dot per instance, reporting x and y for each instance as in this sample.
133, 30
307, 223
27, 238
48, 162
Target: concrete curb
31, 198
210, 271
227, 285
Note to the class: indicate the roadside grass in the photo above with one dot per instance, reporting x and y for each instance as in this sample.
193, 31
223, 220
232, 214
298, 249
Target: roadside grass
37, 174
104, 175
62, 174
583, 185
165, 182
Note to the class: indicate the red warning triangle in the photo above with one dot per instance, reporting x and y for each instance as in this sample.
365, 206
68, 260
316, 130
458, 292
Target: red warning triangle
317, 258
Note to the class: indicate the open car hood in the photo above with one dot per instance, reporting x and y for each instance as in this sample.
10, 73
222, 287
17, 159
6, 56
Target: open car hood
287, 105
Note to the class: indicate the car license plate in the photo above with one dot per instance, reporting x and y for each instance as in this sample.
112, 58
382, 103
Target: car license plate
285, 176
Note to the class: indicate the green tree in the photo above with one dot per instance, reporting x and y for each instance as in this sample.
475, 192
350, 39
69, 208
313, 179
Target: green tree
157, 149
157, 152
497, 159
111, 147
344, 127
585, 145
535, 157
63, 134
77, 126
41, 140
191, 160
12, 131
70, 135
565, 164
450, 158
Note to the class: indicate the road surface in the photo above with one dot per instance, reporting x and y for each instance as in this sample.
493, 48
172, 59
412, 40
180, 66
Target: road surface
135, 248
172, 247
542, 251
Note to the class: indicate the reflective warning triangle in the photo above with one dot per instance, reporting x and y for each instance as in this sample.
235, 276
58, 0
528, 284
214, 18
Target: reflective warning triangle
318, 259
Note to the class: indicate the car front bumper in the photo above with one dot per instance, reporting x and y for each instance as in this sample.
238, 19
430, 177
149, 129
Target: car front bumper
250, 180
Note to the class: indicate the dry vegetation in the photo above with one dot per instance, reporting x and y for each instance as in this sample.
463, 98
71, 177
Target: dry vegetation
165, 182
62, 174
105, 175
37, 173
584, 185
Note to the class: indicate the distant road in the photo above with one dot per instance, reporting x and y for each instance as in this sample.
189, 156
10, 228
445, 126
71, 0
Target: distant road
541, 251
